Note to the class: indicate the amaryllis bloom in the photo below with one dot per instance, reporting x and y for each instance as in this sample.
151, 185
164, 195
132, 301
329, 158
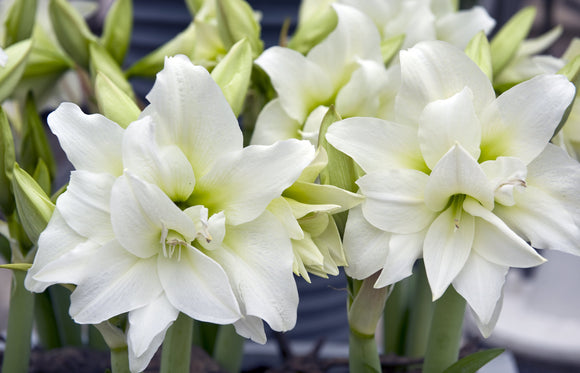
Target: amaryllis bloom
169, 215
465, 180
421, 20
346, 69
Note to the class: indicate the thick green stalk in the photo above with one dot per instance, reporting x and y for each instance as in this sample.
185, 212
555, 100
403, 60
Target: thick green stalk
120, 360
363, 353
69, 331
363, 315
46, 326
20, 320
176, 353
394, 319
445, 334
421, 313
229, 349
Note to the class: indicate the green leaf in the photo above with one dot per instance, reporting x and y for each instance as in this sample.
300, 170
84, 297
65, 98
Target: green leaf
20, 21
45, 57
472, 363
17, 266
113, 102
152, 63
233, 74
571, 69
71, 30
479, 51
236, 21
11, 73
117, 29
312, 31
42, 176
7, 158
33, 205
102, 61
35, 146
506, 42
391, 46
340, 170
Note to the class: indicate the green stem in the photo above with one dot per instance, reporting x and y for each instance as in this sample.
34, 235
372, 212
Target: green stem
120, 360
46, 326
69, 331
445, 334
363, 353
394, 318
176, 354
229, 349
421, 313
20, 320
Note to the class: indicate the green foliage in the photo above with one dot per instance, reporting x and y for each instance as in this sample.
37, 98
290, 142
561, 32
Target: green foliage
472, 363
117, 29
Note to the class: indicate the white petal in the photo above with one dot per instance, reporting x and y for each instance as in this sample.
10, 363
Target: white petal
487, 328
436, 70
85, 205
365, 246
457, 173
446, 248
361, 95
242, 184
91, 142
116, 282
257, 257
57, 241
192, 112
147, 328
300, 83
140, 212
523, 119
458, 28
496, 242
274, 124
283, 212
355, 37
541, 219
376, 144
481, 283
198, 286
404, 250
167, 167
446, 122
251, 327
394, 200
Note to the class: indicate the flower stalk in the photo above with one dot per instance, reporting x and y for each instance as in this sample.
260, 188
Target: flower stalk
176, 354
445, 333
229, 349
120, 360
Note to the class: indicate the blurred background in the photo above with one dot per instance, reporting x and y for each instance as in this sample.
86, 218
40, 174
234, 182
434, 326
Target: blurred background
540, 322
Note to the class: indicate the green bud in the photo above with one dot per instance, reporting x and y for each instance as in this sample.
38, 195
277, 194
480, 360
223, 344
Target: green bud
506, 42
113, 102
152, 63
479, 51
20, 21
71, 30
391, 46
33, 205
233, 73
7, 159
35, 146
236, 20
11, 73
319, 194
572, 69
101, 61
42, 176
17, 266
117, 29
313, 29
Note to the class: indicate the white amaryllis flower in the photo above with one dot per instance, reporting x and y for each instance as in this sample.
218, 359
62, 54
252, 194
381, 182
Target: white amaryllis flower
170, 216
421, 20
345, 69
463, 179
